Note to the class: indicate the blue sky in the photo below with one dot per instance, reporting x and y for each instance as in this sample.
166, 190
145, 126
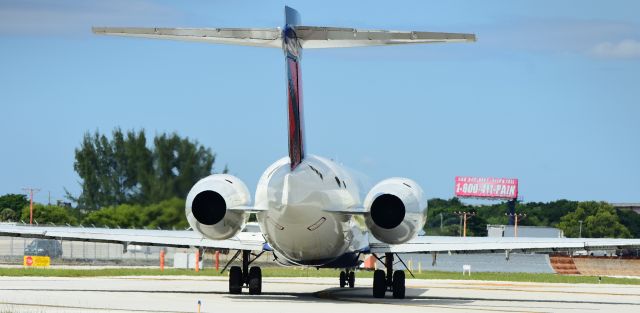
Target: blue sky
549, 94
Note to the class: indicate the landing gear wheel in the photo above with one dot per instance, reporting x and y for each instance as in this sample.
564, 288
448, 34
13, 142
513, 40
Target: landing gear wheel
255, 281
398, 284
235, 280
343, 279
379, 284
352, 279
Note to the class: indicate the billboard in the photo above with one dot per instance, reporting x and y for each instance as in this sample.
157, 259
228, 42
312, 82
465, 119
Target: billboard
486, 187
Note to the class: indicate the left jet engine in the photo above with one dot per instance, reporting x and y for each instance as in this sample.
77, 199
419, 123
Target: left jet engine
210, 206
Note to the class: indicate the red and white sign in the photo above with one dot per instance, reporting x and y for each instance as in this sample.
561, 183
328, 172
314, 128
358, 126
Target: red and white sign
28, 260
486, 187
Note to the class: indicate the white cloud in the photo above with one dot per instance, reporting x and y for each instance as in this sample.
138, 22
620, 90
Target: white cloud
625, 49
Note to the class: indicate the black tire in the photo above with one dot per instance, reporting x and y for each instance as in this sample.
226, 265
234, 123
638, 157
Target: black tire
343, 279
398, 285
235, 280
379, 284
352, 279
255, 281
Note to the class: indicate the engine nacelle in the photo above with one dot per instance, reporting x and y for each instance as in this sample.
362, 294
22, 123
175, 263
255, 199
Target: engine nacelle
396, 210
209, 206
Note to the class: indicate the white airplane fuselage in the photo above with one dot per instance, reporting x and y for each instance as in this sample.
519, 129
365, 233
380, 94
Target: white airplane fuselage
295, 211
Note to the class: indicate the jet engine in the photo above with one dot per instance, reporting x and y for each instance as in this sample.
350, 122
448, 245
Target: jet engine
396, 210
210, 206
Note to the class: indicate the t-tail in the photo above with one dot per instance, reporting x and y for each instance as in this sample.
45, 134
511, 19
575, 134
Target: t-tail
291, 39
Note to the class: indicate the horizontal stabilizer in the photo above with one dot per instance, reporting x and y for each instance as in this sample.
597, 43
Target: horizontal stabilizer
331, 37
258, 37
311, 37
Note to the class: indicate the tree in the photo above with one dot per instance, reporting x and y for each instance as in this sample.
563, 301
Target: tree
179, 164
123, 170
476, 225
599, 220
631, 220
8, 215
15, 202
166, 215
47, 214
125, 216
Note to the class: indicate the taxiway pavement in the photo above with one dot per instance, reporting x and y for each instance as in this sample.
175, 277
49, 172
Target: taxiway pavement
308, 295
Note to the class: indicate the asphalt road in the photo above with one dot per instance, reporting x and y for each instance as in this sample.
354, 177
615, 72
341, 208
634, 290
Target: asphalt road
309, 295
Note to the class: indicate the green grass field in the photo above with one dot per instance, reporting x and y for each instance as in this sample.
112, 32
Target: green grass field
311, 272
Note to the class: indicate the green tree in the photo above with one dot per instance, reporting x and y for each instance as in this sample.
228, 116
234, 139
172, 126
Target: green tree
51, 214
15, 202
599, 221
8, 215
124, 170
476, 225
631, 220
165, 215
179, 164
124, 215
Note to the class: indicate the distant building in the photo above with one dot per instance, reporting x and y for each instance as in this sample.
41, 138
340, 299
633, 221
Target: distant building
63, 204
524, 231
627, 206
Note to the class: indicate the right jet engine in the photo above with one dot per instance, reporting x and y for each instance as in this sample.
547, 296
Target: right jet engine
396, 210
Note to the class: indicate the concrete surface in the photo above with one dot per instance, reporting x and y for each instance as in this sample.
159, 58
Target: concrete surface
181, 294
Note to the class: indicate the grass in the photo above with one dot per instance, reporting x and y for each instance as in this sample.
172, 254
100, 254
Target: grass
311, 272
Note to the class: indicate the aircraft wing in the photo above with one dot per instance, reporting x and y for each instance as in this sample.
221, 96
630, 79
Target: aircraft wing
427, 244
165, 238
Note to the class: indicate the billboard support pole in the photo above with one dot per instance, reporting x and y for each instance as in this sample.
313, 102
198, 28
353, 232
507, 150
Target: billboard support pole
511, 211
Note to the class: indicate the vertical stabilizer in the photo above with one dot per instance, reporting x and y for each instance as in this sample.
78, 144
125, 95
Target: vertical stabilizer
292, 47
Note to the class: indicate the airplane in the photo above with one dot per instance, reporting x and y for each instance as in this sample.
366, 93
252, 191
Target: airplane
308, 207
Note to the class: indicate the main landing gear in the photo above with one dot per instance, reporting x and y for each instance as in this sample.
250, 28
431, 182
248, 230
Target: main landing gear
245, 277
391, 281
347, 277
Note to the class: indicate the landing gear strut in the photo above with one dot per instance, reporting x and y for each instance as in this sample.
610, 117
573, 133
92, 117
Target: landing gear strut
245, 277
347, 277
389, 281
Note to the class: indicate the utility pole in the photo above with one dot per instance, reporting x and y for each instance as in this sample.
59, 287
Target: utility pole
440, 221
31, 191
463, 215
516, 217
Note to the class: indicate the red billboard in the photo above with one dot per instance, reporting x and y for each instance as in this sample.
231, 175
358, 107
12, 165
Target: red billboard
486, 187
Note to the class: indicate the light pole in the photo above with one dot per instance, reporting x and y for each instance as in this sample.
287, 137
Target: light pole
580, 233
516, 217
463, 215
